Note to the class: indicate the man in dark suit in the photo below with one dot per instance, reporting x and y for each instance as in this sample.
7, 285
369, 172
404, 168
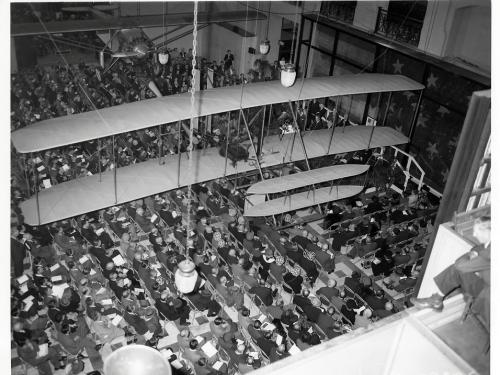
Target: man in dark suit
354, 282
264, 293
471, 273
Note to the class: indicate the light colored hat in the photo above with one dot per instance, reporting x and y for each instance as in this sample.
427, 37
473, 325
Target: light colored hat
232, 212
221, 243
295, 271
280, 260
241, 220
309, 255
217, 236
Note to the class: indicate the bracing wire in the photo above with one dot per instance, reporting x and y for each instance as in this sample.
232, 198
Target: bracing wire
68, 68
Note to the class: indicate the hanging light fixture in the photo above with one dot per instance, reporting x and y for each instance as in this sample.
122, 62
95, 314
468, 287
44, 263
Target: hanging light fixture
186, 276
265, 45
288, 75
136, 360
288, 72
163, 57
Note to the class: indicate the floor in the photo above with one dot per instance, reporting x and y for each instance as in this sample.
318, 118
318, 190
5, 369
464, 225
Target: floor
200, 323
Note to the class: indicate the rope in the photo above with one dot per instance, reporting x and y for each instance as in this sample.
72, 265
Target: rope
191, 125
268, 19
293, 33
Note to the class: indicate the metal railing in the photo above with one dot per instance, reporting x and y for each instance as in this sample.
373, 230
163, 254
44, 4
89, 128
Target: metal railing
398, 27
339, 10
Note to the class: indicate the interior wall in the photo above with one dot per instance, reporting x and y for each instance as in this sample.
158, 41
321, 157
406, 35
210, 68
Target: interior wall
437, 30
447, 247
470, 25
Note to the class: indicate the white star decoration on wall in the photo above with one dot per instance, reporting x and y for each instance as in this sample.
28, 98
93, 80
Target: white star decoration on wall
397, 67
443, 111
431, 81
421, 123
432, 150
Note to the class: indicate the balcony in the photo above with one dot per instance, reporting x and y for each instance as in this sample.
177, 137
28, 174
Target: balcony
398, 27
339, 10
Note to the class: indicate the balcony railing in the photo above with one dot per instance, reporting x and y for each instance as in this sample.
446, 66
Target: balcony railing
398, 27
339, 10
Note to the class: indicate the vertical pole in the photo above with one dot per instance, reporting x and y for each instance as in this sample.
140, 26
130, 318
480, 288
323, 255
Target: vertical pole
179, 152
159, 144
27, 177
347, 115
261, 140
334, 123
414, 120
306, 109
99, 157
114, 170
35, 172
376, 119
387, 108
227, 138
269, 120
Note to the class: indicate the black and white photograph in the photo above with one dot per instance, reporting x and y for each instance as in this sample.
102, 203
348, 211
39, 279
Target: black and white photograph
225, 187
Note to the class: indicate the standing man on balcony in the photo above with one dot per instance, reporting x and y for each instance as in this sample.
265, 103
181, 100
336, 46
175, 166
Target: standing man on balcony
471, 273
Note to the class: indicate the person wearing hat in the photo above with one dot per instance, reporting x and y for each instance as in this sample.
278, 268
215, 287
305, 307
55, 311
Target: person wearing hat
152, 321
277, 269
306, 262
293, 280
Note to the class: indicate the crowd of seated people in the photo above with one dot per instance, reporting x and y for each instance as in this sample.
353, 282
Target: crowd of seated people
106, 278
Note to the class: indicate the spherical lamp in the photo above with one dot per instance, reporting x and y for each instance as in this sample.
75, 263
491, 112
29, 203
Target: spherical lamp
186, 276
136, 360
288, 75
163, 57
264, 47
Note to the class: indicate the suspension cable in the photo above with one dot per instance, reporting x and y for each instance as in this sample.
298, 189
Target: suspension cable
191, 125
293, 34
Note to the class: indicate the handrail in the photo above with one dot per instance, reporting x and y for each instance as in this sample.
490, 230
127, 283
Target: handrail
406, 171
